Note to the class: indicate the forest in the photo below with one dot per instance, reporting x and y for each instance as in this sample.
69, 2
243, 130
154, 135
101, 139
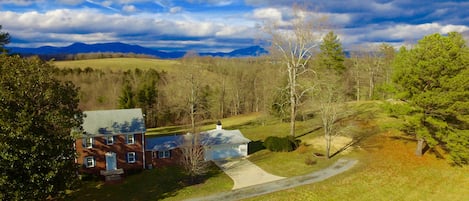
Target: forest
221, 87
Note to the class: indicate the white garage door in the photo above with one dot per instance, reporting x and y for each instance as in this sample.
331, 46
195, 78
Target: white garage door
222, 152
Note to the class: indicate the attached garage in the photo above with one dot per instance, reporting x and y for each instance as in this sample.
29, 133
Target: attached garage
221, 152
220, 144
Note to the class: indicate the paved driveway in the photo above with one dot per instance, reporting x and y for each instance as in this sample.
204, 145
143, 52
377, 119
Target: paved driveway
244, 173
338, 167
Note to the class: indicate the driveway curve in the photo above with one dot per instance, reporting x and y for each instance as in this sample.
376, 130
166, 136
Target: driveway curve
338, 167
245, 173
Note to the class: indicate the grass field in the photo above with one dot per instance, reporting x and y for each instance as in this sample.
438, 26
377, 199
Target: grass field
387, 168
116, 64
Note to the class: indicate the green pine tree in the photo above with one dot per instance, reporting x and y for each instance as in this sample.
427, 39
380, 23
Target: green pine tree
433, 78
332, 55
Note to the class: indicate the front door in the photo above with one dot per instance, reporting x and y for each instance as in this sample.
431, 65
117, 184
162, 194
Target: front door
111, 161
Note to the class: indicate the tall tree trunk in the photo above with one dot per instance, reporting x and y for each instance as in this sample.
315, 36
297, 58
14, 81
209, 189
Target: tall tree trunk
292, 83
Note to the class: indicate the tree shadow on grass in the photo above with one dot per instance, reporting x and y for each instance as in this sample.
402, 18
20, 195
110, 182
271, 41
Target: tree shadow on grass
155, 184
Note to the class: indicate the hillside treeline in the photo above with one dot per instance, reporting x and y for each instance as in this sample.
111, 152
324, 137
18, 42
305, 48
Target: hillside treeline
215, 88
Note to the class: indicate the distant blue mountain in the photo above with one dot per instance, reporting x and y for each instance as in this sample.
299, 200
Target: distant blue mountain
118, 47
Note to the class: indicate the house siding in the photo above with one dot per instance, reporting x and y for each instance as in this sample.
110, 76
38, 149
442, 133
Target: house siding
100, 148
156, 162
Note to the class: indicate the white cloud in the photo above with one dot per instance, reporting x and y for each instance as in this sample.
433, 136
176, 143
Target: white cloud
270, 15
20, 2
129, 8
89, 25
175, 9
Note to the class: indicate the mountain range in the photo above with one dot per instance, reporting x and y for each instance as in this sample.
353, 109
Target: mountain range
117, 47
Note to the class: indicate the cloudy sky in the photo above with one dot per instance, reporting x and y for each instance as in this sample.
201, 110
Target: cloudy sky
220, 25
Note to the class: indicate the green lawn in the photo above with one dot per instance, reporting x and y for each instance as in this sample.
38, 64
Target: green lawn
123, 64
156, 184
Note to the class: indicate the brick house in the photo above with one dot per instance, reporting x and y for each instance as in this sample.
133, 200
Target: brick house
218, 144
162, 151
112, 142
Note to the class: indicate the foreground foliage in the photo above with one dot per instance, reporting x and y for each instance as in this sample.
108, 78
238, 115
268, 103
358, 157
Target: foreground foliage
36, 114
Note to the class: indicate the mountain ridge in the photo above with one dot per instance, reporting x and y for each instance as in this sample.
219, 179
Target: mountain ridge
119, 47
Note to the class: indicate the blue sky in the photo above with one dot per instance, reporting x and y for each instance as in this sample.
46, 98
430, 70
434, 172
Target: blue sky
221, 25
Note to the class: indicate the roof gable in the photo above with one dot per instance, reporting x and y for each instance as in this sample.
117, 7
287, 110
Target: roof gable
110, 122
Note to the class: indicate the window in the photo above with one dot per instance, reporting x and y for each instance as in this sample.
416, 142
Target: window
131, 157
164, 154
88, 142
130, 139
89, 162
109, 140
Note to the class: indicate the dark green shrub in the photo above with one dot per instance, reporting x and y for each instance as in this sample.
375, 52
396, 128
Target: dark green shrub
278, 144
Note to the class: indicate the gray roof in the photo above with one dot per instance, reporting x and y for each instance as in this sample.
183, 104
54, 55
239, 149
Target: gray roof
211, 137
222, 136
111, 122
163, 143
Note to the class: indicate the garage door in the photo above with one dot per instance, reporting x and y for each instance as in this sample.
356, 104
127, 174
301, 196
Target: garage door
223, 152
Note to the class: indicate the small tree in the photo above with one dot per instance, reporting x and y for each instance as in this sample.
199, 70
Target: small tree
330, 103
37, 112
192, 156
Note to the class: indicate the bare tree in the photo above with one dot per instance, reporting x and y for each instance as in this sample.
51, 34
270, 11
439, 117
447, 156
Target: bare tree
330, 105
192, 156
293, 44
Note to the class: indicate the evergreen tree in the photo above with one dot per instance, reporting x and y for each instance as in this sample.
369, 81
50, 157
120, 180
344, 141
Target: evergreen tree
332, 55
4, 39
37, 112
433, 78
127, 99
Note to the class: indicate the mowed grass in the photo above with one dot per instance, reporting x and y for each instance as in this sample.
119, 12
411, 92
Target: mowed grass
123, 64
387, 170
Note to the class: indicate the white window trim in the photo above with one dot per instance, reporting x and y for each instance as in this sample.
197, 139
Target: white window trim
164, 154
133, 157
131, 138
90, 141
112, 140
93, 162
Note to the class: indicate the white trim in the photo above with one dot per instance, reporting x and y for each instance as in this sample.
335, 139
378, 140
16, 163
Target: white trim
130, 139
129, 154
88, 142
111, 141
164, 154
92, 162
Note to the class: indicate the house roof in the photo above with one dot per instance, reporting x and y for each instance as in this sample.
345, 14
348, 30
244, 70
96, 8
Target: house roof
110, 122
163, 143
211, 137
222, 136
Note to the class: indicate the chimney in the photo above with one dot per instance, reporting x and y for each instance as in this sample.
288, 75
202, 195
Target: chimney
218, 125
